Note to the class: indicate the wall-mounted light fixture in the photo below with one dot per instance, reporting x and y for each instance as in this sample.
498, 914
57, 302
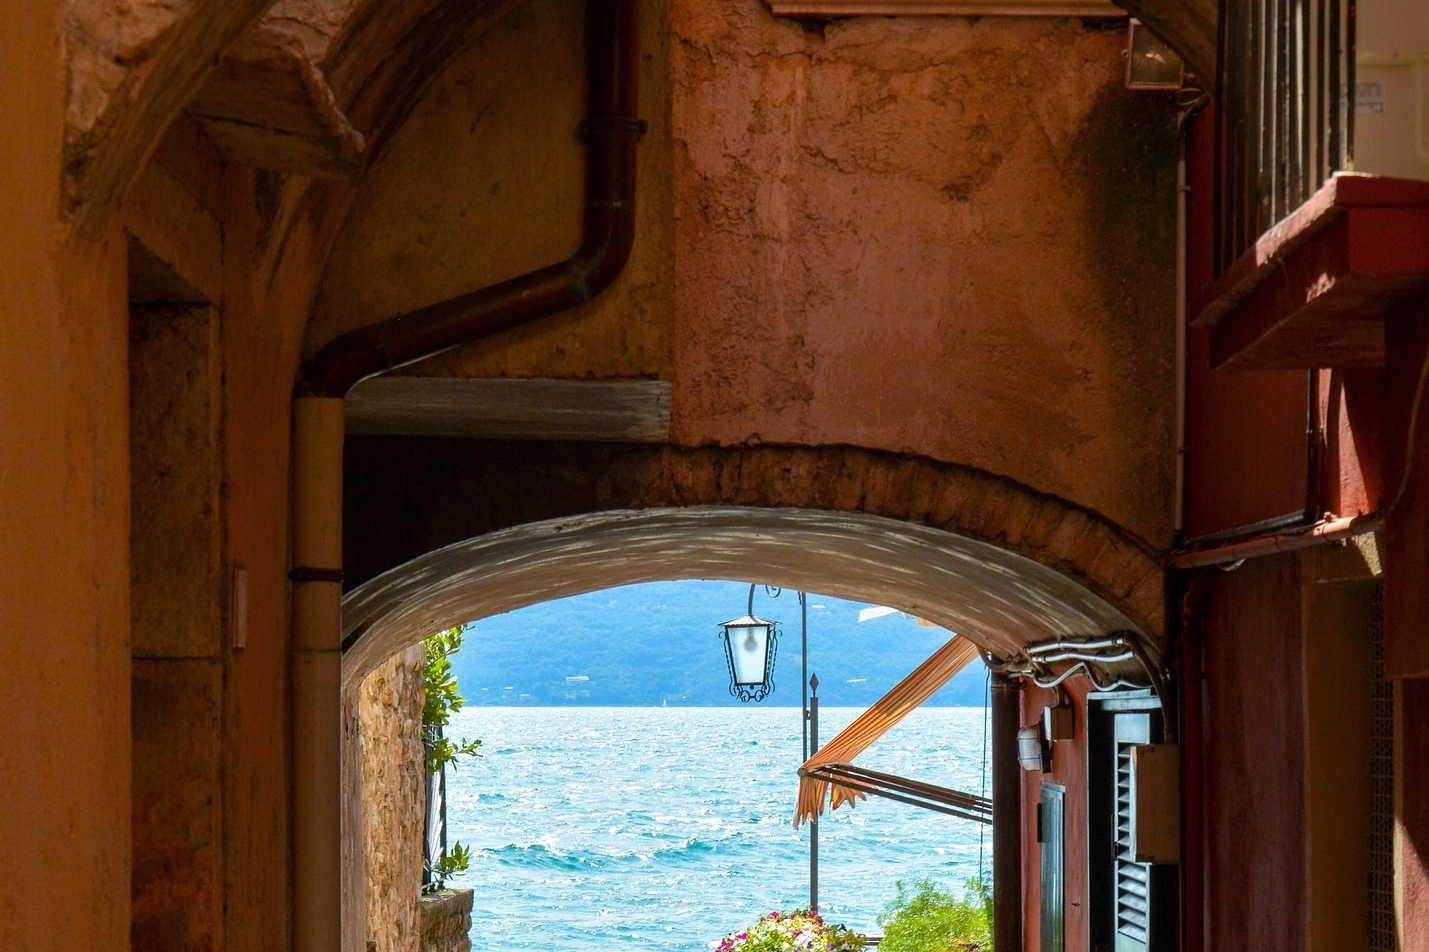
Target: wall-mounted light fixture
1151, 64
1033, 751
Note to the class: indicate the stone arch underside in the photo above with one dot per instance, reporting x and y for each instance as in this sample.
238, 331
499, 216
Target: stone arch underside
994, 596
408, 501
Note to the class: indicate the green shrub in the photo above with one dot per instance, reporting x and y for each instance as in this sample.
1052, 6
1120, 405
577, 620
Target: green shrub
926, 918
457, 860
443, 698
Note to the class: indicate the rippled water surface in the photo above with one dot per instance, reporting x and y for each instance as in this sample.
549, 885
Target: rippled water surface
665, 828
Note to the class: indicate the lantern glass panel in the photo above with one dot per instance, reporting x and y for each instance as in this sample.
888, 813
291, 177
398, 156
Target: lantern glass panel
749, 648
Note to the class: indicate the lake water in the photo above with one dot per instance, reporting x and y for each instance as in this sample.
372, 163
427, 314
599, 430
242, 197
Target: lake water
665, 828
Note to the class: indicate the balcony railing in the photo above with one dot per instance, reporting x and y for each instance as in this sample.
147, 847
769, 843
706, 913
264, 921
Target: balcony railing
1286, 117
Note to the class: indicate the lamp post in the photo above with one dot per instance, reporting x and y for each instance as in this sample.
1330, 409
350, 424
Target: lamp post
749, 648
811, 718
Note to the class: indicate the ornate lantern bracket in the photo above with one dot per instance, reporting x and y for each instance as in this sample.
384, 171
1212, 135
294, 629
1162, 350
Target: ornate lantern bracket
749, 648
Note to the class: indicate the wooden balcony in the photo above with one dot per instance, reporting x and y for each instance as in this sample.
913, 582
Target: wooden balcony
1313, 291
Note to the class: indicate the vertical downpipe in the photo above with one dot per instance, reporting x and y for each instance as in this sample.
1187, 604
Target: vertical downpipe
317, 673
1006, 815
1182, 193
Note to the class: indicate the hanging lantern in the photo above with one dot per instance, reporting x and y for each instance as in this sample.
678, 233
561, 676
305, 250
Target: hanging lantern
749, 645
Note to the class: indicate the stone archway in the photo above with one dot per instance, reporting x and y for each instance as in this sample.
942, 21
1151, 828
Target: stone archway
406, 499
991, 595
994, 596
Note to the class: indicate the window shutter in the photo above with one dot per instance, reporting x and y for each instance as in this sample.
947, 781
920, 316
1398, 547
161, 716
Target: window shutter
1133, 879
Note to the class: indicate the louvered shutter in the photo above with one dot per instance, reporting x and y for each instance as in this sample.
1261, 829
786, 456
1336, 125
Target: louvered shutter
1133, 879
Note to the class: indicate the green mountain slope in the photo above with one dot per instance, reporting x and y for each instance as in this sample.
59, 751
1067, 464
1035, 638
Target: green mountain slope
658, 643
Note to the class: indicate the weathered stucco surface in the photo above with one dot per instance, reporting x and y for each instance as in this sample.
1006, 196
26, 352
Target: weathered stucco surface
937, 236
405, 498
64, 532
393, 805
484, 182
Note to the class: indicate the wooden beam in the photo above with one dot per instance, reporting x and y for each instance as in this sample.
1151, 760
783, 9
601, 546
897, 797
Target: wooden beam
1187, 26
175, 245
602, 411
269, 106
887, 8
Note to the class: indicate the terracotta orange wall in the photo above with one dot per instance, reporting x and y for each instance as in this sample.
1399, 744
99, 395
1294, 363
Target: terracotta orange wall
1406, 604
1069, 769
261, 330
1254, 763
64, 508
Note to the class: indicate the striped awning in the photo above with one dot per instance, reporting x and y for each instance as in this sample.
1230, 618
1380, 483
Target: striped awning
873, 723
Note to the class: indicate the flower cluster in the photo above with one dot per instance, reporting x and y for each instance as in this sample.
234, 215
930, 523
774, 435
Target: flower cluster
798, 931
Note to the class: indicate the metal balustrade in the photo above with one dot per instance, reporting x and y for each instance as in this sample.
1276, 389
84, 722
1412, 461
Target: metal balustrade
1286, 120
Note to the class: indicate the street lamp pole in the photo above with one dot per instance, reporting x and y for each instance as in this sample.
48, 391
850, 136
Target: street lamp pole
809, 707
812, 719
749, 645
804, 669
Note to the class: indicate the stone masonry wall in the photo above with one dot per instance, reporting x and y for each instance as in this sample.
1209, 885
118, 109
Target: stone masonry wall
446, 921
393, 776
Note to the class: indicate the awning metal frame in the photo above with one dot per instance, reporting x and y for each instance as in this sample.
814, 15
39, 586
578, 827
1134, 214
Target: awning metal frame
928, 796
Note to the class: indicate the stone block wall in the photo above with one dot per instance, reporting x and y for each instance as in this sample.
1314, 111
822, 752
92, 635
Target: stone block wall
393, 789
446, 921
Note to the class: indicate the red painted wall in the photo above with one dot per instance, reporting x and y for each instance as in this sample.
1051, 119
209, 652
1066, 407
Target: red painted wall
1406, 644
1069, 768
1246, 448
1254, 812
1414, 815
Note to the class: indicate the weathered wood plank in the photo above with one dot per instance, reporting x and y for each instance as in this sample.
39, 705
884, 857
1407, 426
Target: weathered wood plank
1315, 289
605, 411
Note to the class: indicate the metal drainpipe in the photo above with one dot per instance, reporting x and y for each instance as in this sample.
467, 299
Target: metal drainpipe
611, 133
1006, 815
1182, 192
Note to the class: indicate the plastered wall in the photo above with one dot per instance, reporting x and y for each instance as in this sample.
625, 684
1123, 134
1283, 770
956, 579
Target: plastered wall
64, 515
937, 236
483, 182
941, 236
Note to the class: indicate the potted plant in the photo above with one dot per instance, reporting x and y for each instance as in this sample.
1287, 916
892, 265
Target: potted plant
800, 931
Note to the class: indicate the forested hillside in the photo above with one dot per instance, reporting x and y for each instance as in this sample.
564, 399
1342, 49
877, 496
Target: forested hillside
650, 644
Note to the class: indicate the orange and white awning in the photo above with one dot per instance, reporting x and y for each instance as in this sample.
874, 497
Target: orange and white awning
873, 723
